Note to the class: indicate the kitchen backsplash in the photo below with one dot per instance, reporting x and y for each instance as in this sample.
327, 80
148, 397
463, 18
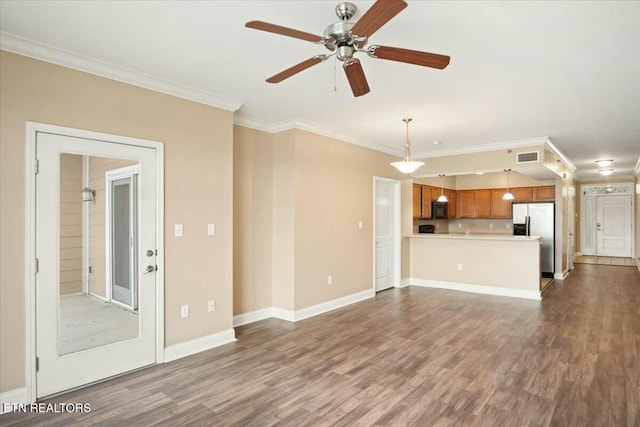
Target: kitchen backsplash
480, 226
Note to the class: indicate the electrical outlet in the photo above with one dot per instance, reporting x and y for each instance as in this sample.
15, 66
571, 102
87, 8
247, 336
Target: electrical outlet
459, 266
360, 224
211, 305
178, 230
508, 226
211, 229
184, 311
490, 225
329, 280
459, 225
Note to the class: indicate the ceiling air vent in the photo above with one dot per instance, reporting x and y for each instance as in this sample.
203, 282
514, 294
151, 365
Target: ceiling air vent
528, 157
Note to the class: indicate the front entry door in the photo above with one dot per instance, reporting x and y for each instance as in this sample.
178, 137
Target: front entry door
81, 335
613, 226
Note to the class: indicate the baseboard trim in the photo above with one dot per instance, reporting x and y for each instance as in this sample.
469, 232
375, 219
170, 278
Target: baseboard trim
638, 263
477, 289
253, 316
404, 283
8, 399
305, 313
187, 348
324, 307
561, 276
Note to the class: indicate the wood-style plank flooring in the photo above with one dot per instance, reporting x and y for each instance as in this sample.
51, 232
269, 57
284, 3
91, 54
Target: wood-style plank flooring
412, 356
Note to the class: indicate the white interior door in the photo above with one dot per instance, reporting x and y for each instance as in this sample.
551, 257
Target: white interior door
384, 234
80, 336
613, 226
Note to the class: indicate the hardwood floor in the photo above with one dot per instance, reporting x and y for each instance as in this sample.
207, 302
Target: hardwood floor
413, 356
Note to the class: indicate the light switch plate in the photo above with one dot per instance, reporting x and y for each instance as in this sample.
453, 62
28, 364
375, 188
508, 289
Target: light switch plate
211, 229
178, 230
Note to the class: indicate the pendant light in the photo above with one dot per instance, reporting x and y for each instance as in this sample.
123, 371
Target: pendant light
442, 197
508, 195
407, 165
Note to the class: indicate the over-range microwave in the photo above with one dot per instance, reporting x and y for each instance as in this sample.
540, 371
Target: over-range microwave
439, 210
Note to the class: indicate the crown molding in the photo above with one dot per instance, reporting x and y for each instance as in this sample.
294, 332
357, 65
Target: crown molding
43, 52
528, 142
309, 127
555, 150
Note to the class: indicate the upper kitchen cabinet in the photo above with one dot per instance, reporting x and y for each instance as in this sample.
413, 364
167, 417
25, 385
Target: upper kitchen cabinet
547, 192
483, 204
466, 203
522, 194
427, 193
500, 208
417, 201
452, 196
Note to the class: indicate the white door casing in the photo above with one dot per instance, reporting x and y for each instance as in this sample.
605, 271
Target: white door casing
386, 234
57, 373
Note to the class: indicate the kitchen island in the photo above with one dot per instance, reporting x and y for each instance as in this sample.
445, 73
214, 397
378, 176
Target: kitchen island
497, 264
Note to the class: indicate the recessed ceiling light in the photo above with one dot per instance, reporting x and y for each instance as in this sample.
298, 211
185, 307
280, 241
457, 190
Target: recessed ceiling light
604, 163
479, 173
606, 172
437, 142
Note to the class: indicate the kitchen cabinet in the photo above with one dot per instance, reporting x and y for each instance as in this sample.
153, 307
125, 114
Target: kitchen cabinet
426, 201
547, 192
466, 203
417, 201
522, 194
483, 204
500, 208
452, 195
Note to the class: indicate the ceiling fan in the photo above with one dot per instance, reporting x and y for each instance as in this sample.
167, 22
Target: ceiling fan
345, 38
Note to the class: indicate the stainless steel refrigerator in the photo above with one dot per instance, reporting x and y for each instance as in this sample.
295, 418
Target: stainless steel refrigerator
537, 219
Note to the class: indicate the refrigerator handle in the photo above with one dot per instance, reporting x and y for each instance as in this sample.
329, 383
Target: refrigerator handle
527, 221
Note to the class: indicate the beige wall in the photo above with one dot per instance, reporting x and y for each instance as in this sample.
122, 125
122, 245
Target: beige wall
198, 190
298, 199
70, 223
253, 216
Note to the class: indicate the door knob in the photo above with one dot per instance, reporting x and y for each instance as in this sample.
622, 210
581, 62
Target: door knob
150, 269
150, 252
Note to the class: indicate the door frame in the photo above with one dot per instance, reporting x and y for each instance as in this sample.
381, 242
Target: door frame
603, 190
32, 129
397, 238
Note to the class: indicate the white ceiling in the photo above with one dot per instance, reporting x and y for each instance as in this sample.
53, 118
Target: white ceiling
567, 70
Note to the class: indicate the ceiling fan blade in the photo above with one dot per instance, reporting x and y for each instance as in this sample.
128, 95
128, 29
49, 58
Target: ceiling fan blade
356, 77
296, 69
416, 57
285, 31
379, 14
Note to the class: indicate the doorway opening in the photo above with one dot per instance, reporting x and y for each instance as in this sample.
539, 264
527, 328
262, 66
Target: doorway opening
386, 233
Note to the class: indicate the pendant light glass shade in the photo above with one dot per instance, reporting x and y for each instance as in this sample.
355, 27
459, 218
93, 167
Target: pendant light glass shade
407, 165
508, 195
442, 197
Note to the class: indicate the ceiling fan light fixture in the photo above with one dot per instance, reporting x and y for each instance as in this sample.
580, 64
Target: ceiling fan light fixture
407, 165
604, 163
606, 172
